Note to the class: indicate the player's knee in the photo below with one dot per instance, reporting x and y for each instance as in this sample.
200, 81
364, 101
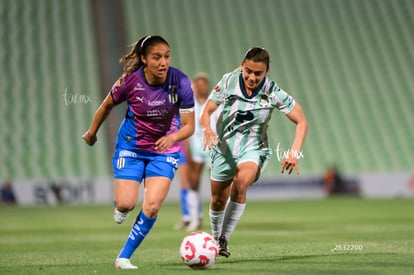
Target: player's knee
218, 202
238, 191
151, 209
125, 205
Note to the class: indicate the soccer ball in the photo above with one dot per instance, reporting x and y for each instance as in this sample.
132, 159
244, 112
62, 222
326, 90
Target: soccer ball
199, 250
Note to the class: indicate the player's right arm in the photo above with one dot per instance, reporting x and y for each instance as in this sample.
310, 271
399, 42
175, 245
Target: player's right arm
101, 114
217, 97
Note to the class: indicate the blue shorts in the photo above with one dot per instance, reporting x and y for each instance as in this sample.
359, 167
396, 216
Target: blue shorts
182, 158
140, 165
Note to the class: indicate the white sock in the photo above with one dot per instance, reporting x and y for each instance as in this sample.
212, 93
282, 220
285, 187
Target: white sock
216, 221
232, 216
193, 205
200, 208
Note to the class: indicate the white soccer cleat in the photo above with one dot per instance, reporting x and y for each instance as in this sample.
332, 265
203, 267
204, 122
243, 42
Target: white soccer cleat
192, 226
124, 263
181, 225
120, 217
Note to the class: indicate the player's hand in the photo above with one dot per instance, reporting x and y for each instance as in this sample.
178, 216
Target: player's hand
210, 139
163, 143
89, 139
289, 163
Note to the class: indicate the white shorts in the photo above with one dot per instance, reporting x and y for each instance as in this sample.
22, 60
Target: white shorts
224, 168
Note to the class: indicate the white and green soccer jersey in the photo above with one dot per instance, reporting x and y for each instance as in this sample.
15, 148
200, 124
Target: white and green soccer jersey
243, 122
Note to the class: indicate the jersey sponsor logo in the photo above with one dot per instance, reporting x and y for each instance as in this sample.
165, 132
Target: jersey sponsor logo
152, 113
242, 130
173, 161
126, 153
241, 117
156, 103
217, 89
244, 116
140, 99
139, 87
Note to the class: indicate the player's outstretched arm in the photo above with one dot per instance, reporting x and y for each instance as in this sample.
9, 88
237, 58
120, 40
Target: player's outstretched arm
101, 114
298, 117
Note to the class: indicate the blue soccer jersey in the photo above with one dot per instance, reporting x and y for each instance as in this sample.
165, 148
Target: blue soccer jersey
152, 111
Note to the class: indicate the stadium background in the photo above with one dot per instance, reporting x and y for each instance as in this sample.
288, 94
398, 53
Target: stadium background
349, 63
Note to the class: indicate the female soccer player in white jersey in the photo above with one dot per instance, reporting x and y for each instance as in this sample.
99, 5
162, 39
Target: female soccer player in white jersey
240, 149
147, 146
198, 157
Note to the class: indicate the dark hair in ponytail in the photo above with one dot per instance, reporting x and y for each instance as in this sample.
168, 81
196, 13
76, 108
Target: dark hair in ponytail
132, 60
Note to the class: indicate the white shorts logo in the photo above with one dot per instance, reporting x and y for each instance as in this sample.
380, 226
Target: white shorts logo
173, 161
120, 163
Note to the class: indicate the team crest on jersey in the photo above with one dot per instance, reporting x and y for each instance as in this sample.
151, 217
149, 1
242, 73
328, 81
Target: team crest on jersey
172, 96
264, 101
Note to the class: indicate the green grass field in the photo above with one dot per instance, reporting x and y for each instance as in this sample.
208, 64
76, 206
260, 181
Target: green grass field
330, 236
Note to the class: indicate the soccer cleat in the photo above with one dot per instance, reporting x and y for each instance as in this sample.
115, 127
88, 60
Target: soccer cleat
120, 217
124, 263
192, 226
223, 247
181, 225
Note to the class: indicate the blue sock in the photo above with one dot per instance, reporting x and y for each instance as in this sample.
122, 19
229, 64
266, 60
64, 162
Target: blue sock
139, 230
184, 203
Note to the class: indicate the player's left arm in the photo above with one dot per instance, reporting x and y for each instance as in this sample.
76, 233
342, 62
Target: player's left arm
298, 117
186, 130
188, 126
187, 116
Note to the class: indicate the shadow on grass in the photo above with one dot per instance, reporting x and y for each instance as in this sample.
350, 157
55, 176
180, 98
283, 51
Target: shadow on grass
273, 259
256, 260
307, 259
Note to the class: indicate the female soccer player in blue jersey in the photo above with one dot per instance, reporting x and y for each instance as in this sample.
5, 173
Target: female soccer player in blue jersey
147, 146
240, 149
